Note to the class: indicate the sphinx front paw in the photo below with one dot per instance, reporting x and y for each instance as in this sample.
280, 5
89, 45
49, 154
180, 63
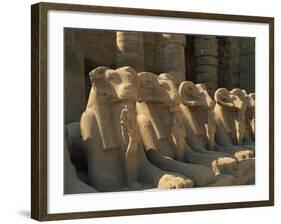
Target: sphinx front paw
226, 165
173, 181
244, 154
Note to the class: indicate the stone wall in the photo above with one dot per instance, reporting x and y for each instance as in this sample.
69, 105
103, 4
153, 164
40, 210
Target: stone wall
74, 78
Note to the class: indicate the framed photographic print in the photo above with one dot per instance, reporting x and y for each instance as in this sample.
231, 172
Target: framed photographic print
138, 111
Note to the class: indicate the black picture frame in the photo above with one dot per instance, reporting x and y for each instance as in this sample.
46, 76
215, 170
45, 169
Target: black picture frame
39, 107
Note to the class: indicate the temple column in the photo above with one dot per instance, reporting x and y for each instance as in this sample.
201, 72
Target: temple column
130, 50
173, 55
247, 63
152, 59
230, 62
206, 61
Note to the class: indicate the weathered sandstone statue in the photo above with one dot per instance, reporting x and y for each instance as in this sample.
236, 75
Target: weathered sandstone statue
197, 116
225, 163
249, 117
210, 123
244, 118
252, 113
198, 121
230, 119
163, 134
198, 112
116, 158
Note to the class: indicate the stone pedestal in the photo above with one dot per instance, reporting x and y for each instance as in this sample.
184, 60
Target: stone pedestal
173, 55
130, 50
206, 61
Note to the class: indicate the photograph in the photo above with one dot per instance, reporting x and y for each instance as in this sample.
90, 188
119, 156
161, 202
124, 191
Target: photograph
148, 111
141, 111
